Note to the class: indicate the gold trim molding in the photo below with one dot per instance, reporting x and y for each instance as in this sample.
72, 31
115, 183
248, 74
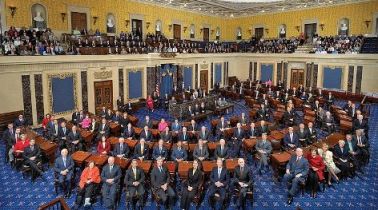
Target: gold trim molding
102, 74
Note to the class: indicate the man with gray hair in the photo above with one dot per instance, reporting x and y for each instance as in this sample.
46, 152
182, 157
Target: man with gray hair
263, 148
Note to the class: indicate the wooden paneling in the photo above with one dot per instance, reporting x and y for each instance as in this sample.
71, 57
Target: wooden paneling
78, 20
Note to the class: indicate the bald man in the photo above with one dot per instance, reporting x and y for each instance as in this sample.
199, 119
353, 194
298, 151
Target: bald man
64, 166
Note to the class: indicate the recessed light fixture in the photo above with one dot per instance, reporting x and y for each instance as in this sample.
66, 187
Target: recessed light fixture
232, 15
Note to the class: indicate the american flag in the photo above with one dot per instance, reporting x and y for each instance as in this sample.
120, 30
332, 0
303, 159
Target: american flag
157, 89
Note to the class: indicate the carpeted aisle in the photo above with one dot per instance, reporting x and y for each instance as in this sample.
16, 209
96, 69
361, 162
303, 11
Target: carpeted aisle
17, 193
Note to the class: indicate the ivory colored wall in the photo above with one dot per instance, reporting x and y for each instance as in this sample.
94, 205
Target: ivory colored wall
11, 92
370, 78
122, 10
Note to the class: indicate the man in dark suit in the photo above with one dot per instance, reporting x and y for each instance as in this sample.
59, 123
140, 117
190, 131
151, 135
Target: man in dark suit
354, 152
20, 121
363, 145
296, 173
93, 127
160, 181
179, 153
263, 113
243, 119
103, 112
10, 136
303, 135
330, 99
53, 130
121, 149
221, 150
147, 122
253, 131
238, 137
221, 127
201, 151
75, 117
316, 106
134, 181
110, 177
204, 134
146, 134
75, 140
341, 153
160, 151
263, 128
32, 157
64, 166
288, 117
291, 140
190, 112
166, 135
193, 128
141, 150
352, 111
184, 136
219, 178
329, 123
361, 123
243, 182
124, 121
312, 137
63, 132
264, 149
128, 132
103, 129
117, 118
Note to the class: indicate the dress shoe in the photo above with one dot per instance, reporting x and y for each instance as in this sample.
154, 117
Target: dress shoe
289, 200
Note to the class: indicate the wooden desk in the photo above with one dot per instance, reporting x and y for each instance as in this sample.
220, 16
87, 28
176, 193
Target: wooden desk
231, 164
171, 166
277, 135
138, 130
212, 145
145, 165
46, 146
79, 157
249, 144
191, 147
86, 135
99, 160
183, 168
131, 143
334, 138
208, 166
123, 163
201, 116
115, 128
279, 161
133, 120
221, 109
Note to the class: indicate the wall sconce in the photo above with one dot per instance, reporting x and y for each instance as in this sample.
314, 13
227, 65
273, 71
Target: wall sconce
170, 27
94, 20
148, 24
201, 30
63, 15
267, 30
322, 26
297, 27
212, 31
185, 28
250, 31
127, 23
367, 23
12, 10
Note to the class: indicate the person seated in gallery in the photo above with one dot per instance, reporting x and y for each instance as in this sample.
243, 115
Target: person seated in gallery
289, 117
179, 153
155, 97
341, 154
221, 127
53, 130
190, 112
121, 149
20, 121
296, 172
103, 112
75, 140
147, 122
63, 132
303, 96
312, 134
162, 125
75, 117
160, 151
291, 140
63, 168
117, 118
197, 109
141, 150
103, 129
109, 115
263, 128
135, 182
361, 123
93, 127
86, 122
203, 107
330, 99
263, 113
243, 119
222, 151
219, 179
103, 146
166, 101
363, 145
124, 121
354, 152
193, 128
32, 158
242, 181
150, 104
190, 187
166, 135
176, 127
316, 171
89, 182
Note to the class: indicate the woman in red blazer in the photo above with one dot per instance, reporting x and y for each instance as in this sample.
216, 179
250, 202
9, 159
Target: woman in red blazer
103, 147
316, 172
150, 103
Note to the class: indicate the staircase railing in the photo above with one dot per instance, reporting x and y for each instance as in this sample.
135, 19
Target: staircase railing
56, 204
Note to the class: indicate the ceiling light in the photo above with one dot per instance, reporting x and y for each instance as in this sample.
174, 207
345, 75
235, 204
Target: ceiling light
185, 5
199, 9
262, 10
232, 15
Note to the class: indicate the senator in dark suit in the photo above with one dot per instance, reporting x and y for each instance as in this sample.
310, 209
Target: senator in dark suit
329, 122
204, 134
253, 131
201, 151
312, 136
263, 128
75, 116
134, 181
361, 123
363, 145
141, 150
341, 153
303, 136
291, 140
128, 132
103, 129
160, 181
160, 151
64, 166
147, 122
190, 187
110, 177
184, 136
166, 135
146, 134
121, 149
296, 172
221, 151
32, 156
219, 179
63, 132
20, 121
243, 182
75, 140
264, 149
288, 117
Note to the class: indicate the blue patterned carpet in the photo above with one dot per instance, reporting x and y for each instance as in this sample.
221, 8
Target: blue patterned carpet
361, 192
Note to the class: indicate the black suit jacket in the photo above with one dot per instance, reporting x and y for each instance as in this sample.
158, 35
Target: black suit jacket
221, 154
357, 125
106, 129
223, 178
28, 153
62, 134
159, 178
194, 180
73, 137
166, 136
237, 135
138, 153
117, 150
147, 137
264, 129
128, 134
130, 177
244, 176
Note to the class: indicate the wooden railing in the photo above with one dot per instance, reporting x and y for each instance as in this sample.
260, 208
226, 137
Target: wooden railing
56, 204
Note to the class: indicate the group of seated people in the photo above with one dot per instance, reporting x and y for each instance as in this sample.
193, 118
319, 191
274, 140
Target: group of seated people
343, 160
337, 44
30, 42
280, 45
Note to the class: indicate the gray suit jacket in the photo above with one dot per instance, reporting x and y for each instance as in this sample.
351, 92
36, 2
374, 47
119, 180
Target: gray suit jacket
198, 153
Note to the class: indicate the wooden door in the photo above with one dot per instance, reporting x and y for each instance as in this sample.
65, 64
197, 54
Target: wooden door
297, 77
176, 31
137, 27
310, 31
204, 81
206, 34
103, 95
78, 21
259, 33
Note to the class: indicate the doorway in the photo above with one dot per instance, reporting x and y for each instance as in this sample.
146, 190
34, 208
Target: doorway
103, 95
297, 77
310, 31
137, 28
176, 31
78, 21
259, 33
204, 81
206, 34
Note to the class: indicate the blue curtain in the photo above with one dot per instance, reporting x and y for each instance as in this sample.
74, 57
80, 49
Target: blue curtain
63, 94
266, 72
218, 73
332, 77
188, 73
166, 86
135, 84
